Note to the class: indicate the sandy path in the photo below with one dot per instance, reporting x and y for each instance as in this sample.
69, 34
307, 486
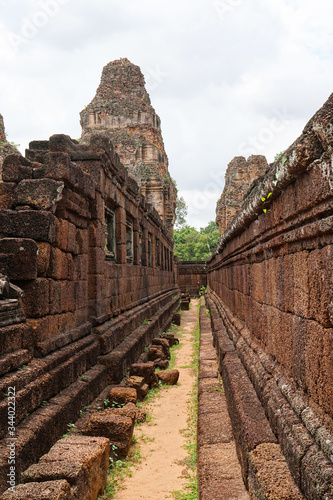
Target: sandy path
162, 468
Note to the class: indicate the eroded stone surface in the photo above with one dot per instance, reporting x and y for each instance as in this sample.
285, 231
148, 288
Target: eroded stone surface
238, 178
169, 377
269, 476
5, 147
122, 109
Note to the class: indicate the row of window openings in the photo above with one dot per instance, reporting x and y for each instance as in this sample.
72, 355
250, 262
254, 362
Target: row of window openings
162, 254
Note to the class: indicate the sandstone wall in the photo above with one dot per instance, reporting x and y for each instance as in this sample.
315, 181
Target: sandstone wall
85, 301
192, 275
271, 281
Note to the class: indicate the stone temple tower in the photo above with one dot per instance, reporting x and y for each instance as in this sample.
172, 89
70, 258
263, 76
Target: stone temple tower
238, 178
5, 147
122, 109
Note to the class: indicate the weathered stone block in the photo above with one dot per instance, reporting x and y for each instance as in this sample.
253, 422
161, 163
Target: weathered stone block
16, 168
43, 258
114, 426
41, 194
36, 299
269, 474
176, 319
165, 345
161, 363
145, 370
59, 265
156, 352
123, 395
7, 195
20, 258
33, 224
48, 490
169, 377
93, 455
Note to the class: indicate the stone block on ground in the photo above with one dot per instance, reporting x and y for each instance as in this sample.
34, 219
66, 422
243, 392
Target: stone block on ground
154, 382
81, 460
171, 338
115, 426
169, 377
132, 411
176, 319
185, 305
156, 352
145, 370
135, 382
143, 358
165, 345
48, 490
123, 395
139, 384
161, 363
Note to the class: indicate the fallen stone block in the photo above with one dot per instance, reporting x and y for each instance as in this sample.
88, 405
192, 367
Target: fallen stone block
176, 319
169, 377
156, 352
123, 395
135, 382
48, 490
155, 381
143, 358
80, 460
139, 384
161, 363
132, 411
145, 370
269, 475
171, 338
115, 426
185, 305
165, 345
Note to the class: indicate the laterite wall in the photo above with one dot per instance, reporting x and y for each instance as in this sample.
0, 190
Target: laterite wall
271, 279
192, 275
78, 305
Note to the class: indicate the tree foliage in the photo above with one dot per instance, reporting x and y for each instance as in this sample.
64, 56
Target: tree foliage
191, 244
181, 212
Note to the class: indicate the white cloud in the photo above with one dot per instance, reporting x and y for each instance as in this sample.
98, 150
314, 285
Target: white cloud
222, 78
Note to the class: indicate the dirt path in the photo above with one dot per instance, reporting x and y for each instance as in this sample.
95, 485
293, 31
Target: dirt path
162, 447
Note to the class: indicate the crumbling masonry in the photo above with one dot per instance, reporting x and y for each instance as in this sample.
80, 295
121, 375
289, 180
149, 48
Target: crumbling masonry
95, 262
121, 109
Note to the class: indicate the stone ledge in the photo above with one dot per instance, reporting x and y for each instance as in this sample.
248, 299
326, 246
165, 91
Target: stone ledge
292, 420
40, 430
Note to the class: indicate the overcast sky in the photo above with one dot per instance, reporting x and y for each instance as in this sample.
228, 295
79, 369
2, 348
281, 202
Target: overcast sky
226, 77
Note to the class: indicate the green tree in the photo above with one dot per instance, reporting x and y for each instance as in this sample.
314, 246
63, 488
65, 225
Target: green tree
191, 244
181, 212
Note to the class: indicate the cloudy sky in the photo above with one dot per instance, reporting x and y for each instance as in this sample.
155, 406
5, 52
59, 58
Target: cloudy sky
227, 77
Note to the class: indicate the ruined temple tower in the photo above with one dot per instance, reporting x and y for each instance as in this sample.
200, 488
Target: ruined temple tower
122, 109
5, 147
238, 178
